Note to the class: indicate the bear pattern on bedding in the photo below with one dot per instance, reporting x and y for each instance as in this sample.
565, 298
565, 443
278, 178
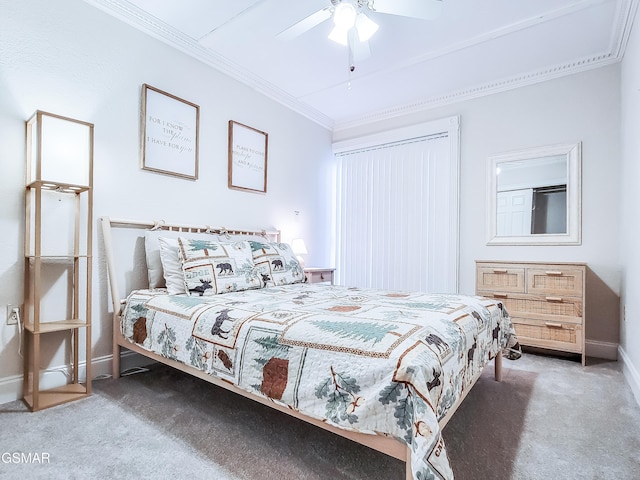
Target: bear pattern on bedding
373, 361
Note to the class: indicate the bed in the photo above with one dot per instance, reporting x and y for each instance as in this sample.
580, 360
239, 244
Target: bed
386, 369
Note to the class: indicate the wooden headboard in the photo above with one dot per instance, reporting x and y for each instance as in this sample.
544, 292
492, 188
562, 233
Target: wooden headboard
130, 268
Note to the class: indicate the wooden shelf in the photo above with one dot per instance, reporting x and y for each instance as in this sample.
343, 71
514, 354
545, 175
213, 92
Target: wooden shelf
59, 187
69, 256
57, 250
59, 326
57, 258
57, 396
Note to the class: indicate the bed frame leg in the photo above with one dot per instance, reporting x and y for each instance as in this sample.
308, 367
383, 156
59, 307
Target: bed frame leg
409, 473
115, 361
497, 364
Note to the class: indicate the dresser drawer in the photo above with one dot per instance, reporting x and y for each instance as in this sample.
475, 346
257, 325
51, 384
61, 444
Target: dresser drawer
565, 309
563, 336
499, 278
545, 300
558, 281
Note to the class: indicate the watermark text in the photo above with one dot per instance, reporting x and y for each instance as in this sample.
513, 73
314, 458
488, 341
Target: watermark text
24, 457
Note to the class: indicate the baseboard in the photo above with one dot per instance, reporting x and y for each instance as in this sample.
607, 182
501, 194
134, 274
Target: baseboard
597, 349
631, 373
11, 387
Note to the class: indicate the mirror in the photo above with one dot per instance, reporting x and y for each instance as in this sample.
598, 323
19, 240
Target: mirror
535, 196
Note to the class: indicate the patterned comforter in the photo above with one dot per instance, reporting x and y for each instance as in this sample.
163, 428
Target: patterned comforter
373, 361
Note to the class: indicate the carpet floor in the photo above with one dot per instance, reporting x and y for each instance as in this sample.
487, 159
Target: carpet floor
550, 418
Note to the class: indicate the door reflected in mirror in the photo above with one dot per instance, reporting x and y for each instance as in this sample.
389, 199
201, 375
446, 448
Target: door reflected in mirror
534, 196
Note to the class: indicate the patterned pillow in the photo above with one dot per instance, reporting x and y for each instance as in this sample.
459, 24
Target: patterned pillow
211, 267
153, 252
276, 263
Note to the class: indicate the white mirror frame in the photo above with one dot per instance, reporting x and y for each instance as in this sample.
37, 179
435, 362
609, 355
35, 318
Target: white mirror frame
574, 196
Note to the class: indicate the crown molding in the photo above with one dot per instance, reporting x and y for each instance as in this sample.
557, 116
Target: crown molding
159, 30
625, 16
479, 39
478, 91
626, 11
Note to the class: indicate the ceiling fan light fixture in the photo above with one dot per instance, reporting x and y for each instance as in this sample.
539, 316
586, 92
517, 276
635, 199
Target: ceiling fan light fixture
365, 27
340, 35
344, 16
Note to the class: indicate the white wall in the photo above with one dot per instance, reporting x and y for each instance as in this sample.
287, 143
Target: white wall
70, 58
582, 107
630, 210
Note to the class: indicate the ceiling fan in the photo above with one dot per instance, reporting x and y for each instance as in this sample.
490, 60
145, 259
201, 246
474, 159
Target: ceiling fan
352, 25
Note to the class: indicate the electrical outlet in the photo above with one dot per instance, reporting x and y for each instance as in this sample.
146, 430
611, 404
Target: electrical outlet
11, 318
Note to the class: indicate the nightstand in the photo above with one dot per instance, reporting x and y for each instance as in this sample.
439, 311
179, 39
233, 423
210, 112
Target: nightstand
319, 275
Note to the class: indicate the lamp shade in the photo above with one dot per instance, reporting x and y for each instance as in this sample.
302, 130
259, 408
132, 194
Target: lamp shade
59, 149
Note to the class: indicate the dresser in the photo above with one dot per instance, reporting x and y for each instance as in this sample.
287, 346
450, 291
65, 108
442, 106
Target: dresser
545, 301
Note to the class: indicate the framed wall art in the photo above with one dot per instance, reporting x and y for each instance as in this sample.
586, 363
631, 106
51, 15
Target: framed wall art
247, 158
169, 134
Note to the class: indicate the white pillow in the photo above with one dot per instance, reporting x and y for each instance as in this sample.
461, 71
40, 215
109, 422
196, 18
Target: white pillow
152, 251
171, 265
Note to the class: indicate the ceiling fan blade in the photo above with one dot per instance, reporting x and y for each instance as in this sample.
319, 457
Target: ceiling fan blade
424, 9
305, 24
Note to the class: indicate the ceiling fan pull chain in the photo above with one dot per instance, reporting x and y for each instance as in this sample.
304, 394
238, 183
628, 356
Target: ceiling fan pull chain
352, 65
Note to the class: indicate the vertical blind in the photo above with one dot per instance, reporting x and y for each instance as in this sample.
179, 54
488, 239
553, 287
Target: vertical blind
397, 218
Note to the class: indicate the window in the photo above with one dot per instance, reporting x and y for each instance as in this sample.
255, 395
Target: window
397, 209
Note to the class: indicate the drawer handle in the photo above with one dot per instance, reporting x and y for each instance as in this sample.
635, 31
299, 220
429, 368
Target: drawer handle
500, 295
553, 324
322, 276
499, 270
554, 299
553, 273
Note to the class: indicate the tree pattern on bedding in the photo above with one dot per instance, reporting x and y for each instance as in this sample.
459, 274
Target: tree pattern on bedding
167, 340
187, 301
199, 353
340, 390
407, 407
374, 361
261, 247
368, 332
203, 245
141, 310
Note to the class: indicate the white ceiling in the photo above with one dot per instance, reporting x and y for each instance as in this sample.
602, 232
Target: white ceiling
475, 47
